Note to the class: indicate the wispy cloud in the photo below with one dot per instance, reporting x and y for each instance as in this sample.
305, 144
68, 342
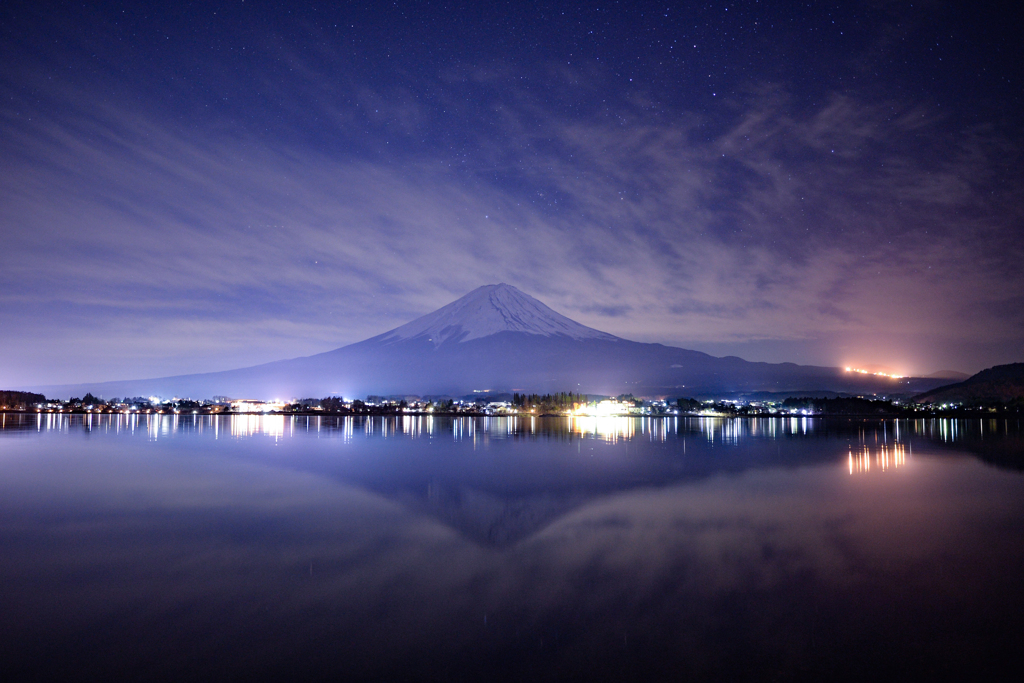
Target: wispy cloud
789, 223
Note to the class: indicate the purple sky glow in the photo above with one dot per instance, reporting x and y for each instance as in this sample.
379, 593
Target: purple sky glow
193, 188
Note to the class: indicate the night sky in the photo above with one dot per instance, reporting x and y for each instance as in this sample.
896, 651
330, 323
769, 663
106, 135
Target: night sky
202, 186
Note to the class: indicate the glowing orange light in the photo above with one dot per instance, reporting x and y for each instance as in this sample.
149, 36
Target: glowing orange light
877, 374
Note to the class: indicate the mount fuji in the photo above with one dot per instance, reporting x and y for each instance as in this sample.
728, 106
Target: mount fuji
498, 339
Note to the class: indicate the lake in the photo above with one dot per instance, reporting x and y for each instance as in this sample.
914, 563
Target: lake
417, 548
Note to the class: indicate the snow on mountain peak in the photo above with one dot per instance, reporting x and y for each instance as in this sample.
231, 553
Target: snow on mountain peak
488, 310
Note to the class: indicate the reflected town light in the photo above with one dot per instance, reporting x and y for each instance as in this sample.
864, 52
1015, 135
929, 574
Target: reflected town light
884, 457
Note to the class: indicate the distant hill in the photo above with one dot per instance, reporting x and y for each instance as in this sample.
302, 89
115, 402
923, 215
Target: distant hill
999, 384
498, 339
949, 374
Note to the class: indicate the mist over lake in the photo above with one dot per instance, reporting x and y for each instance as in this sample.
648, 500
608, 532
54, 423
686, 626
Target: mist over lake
163, 547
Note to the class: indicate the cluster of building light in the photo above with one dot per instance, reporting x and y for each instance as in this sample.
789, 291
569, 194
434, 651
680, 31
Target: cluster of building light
604, 408
254, 406
878, 374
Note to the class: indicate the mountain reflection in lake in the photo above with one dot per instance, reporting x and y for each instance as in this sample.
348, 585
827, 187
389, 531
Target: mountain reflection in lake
509, 548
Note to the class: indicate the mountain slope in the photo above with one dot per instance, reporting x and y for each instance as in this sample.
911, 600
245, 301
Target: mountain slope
498, 338
998, 384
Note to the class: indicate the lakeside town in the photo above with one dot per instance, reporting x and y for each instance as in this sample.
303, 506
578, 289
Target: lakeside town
487, 404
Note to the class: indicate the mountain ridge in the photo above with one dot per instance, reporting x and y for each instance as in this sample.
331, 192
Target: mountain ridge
998, 384
497, 338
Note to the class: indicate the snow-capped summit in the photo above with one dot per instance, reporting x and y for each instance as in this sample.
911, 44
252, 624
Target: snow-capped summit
488, 310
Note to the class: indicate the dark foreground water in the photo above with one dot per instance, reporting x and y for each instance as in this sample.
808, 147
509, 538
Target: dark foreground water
199, 548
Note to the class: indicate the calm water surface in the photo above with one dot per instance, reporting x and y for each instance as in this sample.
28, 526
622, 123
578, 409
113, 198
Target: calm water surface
162, 547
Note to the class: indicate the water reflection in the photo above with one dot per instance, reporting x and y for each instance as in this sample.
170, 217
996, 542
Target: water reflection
882, 458
714, 430
529, 548
513, 493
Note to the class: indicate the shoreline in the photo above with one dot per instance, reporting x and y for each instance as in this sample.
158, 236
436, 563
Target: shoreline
967, 415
